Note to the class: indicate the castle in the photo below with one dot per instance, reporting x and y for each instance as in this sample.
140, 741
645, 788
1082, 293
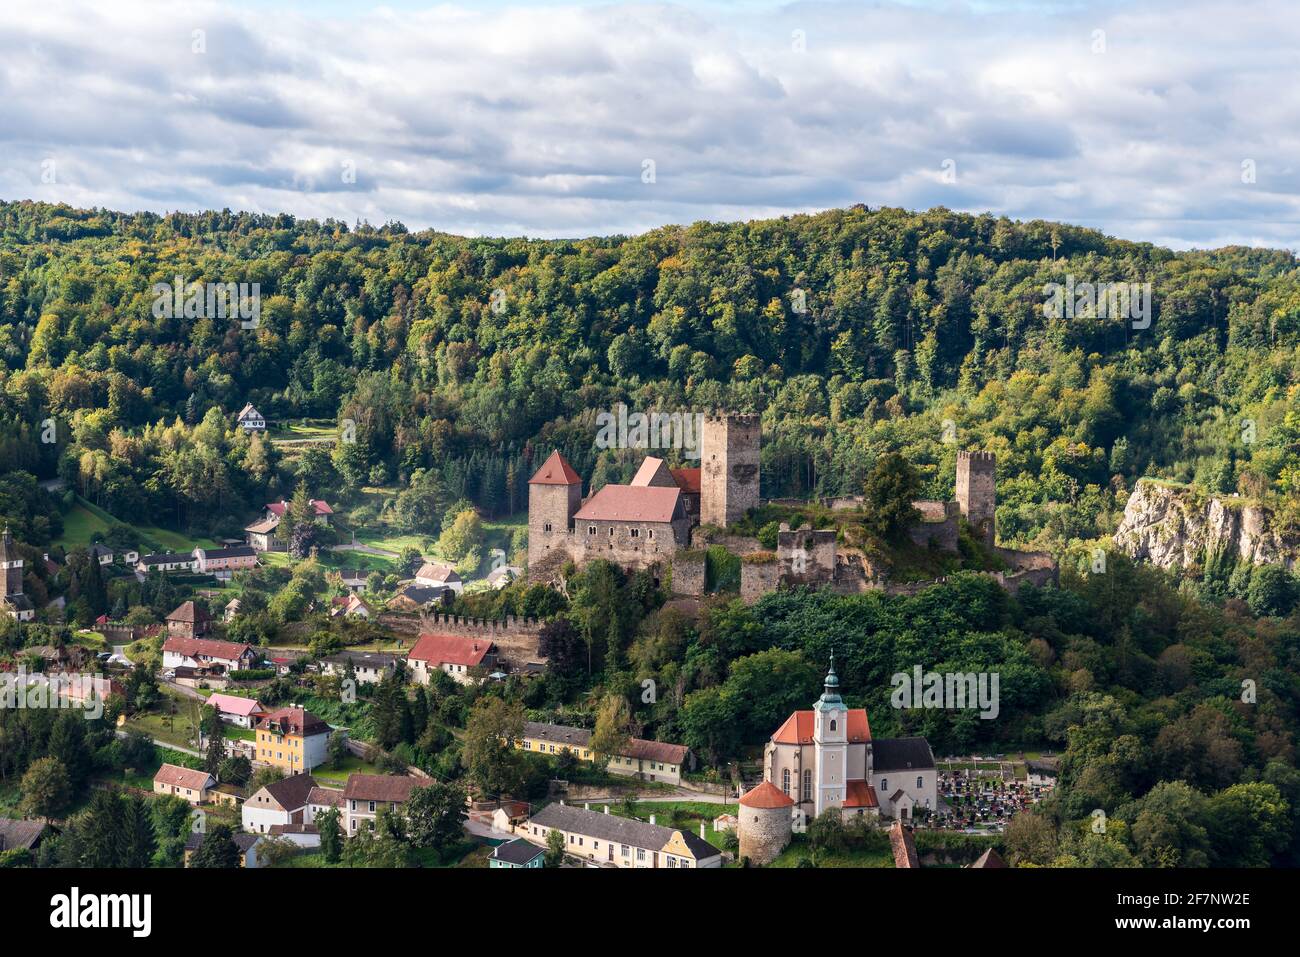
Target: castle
826, 760
666, 517
645, 523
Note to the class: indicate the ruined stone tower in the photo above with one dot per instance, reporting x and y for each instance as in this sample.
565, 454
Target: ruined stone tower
554, 496
729, 468
977, 492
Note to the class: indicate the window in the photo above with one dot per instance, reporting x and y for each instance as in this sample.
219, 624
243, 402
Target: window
807, 784
884, 784
652, 534
611, 531
636, 532
372, 807
640, 853
624, 851
920, 782
546, 527
832, 724
591, 529
785, 781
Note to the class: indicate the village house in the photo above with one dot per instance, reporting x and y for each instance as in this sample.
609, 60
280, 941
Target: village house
291, 738
185, 783
439, 576
350, 606
321, 800
21, 835
189, 620
222, 563
246, 844
826, 758
232, 709
462, 658
517, 853
353, 579
614, 841
12, 600
265, 535
166, 562
100, 553
232, 609
647, 760
370, 666
281, 802
366, 794
412, 597
499, 578
207, 654
250, 420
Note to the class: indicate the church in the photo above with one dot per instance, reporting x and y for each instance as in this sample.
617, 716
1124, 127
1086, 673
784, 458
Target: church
826, 758
12, 599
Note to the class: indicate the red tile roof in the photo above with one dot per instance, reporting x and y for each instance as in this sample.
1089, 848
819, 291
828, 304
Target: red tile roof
233, 704
173, 775
687, 479
766, 795
280, 507
860, 794
650, 466
190, 613
798, 728
206, 647
450, 650
900, 838
631, 503
555, 471
655, 751
381, 787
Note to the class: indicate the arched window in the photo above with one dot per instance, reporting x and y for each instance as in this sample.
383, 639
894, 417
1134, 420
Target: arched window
807, 784
884, 785
832, 724
920, 782
785, 781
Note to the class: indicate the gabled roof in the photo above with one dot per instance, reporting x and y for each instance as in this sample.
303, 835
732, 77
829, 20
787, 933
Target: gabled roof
631, 503
557, 734
166, 558
438, 572
555, 471
659, 751
381, 787
279, 508
620, 830
766, 795
653, 471
450, 650
234, 704
264, 526
901, 754
206, 648
248, 411
19, 834
291, 793
989, 858
518, 852
904, 845
325, 797
798, 728
190, 613
173, 775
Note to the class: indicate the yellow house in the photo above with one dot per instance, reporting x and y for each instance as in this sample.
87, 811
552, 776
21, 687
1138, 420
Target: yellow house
292, 738
646, 760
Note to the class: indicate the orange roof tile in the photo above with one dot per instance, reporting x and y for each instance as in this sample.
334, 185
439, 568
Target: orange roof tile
555, 471
631, 503
798, 728
859, 794
766, 795
687, 479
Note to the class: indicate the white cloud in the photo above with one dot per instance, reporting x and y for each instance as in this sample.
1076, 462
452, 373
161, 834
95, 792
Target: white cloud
536, 119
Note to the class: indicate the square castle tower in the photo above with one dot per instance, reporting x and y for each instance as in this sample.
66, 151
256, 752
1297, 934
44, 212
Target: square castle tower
977, 492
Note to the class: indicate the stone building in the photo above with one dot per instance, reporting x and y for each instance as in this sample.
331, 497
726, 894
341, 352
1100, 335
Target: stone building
977, 492
765, 823
826, 759
644, 523
12, 600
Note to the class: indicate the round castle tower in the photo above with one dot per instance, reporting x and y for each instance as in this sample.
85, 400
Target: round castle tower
766, 823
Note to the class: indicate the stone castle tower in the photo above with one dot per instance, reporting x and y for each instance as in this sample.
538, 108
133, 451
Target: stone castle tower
554, 497
11, 582
729, 468
977, 492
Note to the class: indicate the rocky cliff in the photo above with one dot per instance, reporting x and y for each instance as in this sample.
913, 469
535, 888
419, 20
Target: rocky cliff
1170, 525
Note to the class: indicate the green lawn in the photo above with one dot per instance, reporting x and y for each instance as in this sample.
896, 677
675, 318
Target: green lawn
78, 525
798, 850
683, 815
85, 519
329, 776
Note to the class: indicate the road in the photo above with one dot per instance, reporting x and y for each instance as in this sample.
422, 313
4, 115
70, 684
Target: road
166, 744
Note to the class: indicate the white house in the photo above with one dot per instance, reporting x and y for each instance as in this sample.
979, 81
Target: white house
206, 653
250, 420
235, 710
281, 802
438, 575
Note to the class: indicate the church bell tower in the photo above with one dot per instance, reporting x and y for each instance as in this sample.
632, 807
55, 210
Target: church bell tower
831, 743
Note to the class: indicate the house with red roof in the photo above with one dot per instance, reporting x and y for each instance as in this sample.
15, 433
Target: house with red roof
232, 709
207, 654
465, 659
185, 783
826, 758
265, 535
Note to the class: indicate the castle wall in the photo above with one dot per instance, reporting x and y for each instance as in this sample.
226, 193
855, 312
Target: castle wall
941, 534
757, 578
805, 556
652, 543
688, 573
516, 638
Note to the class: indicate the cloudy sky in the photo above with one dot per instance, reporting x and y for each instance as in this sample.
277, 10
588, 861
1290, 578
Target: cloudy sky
1175, 122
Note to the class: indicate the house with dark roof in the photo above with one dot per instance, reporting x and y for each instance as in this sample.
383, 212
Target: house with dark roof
291, 738
610, 840
826, 758
166, 562
189, 620
280, 802
414, 597
222, 563
517, 853
21, 835
647, 760
246, 844
370, 667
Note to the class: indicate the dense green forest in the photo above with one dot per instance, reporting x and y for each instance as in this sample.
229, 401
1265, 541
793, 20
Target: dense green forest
461, 361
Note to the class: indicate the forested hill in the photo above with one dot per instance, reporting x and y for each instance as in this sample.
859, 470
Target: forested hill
469, 357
